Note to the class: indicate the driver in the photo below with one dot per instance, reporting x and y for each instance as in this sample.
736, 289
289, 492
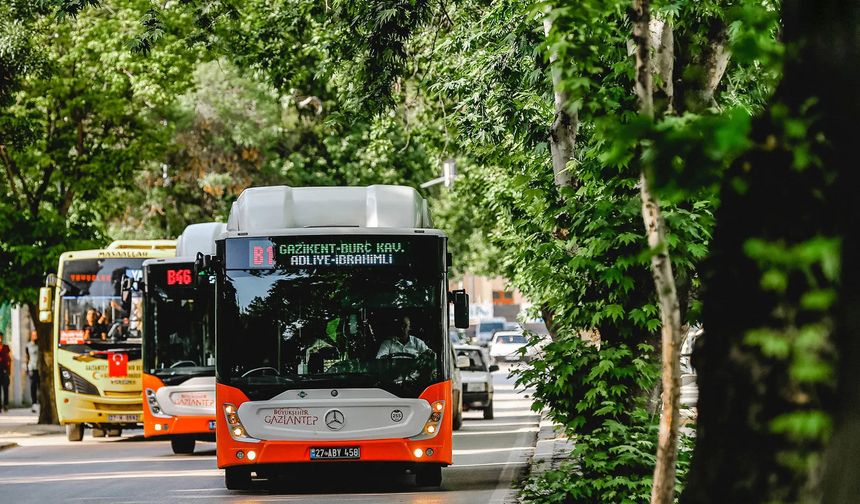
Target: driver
403, 343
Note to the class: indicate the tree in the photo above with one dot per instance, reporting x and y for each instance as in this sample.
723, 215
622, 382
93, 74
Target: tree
767, 372
71, 136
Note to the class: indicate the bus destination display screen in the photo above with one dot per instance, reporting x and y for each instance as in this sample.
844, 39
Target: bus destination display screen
178, 276
326, 252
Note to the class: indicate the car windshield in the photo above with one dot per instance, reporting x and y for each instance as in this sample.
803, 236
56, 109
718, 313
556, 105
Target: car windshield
178, 340
489, 327
476, 360
92, 319
511, 338
347, 325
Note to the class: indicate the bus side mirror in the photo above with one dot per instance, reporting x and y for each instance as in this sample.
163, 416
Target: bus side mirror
461, 309
46, 298
204, 266
128, 286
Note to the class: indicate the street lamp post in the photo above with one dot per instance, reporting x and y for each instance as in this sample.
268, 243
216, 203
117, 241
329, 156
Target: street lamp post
449, 173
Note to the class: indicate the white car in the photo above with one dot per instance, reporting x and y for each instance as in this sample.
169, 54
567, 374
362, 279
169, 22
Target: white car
506, 345
477, 379
486, 328
457, 390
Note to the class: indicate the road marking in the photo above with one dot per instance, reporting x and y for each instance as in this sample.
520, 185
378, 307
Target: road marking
490, 464
105, 461
111, 476
478, 451
468, 423
488, 433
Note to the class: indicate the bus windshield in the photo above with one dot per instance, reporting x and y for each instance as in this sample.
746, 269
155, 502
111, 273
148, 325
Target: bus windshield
91, 316
358, 321
178, 341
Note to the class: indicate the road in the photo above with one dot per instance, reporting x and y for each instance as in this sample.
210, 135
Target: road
488, 456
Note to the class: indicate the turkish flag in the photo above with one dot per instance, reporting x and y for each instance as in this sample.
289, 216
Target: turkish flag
117, 364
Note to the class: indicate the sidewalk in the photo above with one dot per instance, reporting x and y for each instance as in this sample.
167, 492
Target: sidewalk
21, 422
552, 448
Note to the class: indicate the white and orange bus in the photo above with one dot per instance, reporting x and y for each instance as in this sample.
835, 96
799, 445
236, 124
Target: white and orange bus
179, 343
332, 333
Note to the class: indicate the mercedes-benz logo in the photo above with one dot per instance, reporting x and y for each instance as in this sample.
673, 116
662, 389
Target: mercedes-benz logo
334, 420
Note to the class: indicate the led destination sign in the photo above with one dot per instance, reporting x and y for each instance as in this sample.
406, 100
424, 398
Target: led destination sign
179, 276
265, 254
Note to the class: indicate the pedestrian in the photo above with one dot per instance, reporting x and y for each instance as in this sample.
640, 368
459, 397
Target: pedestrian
5, 372
31, 351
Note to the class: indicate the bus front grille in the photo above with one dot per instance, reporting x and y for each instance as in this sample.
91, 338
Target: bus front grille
127, 395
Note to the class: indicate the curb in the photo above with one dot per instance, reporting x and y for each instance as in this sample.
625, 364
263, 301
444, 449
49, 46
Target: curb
552, 448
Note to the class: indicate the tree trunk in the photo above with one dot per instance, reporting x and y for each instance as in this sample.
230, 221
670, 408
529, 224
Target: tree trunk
548, 315
563, 130
739, 457
47, 401
663, 39
836, 41
663, 488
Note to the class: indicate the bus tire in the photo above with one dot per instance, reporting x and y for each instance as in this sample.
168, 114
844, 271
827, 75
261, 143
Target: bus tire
430, 476
237, 478
488, 411
182, 446
114, 432
74, 431
98, 432
457, 421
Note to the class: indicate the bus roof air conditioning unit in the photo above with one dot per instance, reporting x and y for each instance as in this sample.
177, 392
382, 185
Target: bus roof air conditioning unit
376, 206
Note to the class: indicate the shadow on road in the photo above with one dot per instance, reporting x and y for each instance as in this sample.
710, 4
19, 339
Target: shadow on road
353, 480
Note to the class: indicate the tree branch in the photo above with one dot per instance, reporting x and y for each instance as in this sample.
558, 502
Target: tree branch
12, 172
40, 190
15, 195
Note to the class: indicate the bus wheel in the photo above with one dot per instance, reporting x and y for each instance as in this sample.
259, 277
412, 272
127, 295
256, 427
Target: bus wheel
182, 445
488, 411
114, 432
74, 431
430, 476
97, 432
457, 421
237, 478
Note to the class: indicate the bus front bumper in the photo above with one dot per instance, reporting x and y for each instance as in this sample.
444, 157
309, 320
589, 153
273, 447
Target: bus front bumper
377, 450
75, 408
201, 426
407, 451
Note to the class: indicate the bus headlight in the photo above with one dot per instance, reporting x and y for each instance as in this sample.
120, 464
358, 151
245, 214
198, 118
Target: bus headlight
431, 426
234, 425
75, 383
152, 403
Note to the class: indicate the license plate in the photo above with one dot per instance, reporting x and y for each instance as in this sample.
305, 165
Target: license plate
336, 453
211, 424
123, 418
512, 358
